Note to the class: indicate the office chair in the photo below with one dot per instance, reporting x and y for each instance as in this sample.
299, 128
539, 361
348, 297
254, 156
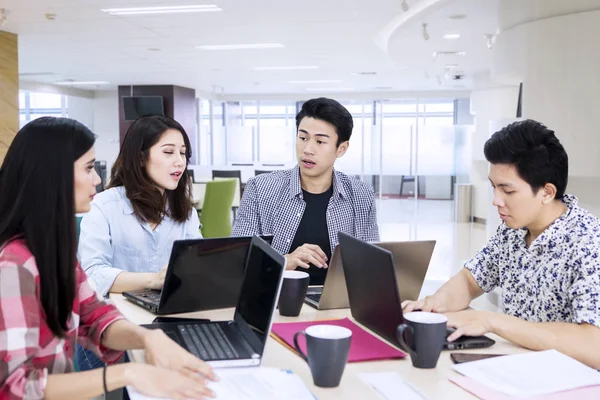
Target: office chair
216, 208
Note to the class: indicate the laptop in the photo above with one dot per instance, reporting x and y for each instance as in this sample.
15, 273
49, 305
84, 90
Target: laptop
373, 292
411, 260
203, 274
241, 341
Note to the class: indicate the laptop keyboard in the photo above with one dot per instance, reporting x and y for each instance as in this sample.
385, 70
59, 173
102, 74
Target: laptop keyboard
207, 341
153, 296
316, 297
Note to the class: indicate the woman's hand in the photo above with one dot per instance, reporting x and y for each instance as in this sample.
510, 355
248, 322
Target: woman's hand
155, 381
164, 352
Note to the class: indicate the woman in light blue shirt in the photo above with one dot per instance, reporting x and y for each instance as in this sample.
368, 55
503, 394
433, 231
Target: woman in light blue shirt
126, 238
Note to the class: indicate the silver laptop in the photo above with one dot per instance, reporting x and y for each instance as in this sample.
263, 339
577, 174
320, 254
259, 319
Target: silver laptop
375, 300
240, 342
411, 261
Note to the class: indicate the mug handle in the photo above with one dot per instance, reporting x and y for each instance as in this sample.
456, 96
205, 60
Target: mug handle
297, 346
402, 328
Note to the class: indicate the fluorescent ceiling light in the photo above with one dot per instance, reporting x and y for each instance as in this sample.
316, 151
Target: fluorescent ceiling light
242, 46
162, 10
329, 89
82, 83
452, 36
286, 68
451, 66
318, 81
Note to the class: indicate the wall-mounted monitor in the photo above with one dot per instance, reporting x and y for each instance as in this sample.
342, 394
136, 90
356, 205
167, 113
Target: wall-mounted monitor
139, 106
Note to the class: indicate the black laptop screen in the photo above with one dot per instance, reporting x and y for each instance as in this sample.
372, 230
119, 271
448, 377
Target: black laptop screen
260, 289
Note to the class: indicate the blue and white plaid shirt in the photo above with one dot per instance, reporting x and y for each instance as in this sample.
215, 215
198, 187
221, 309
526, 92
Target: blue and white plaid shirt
273, 205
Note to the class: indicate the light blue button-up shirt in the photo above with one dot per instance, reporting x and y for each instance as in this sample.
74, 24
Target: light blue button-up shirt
113, 240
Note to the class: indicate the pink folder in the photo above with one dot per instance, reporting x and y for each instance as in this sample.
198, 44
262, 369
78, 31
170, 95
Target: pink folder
363, 346
485, 393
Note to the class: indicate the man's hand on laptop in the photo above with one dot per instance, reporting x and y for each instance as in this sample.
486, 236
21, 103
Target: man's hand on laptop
162, 351
158, 280
305, 255
430, 304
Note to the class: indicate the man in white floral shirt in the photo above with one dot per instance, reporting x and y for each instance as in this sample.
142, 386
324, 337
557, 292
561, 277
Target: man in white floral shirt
545, 256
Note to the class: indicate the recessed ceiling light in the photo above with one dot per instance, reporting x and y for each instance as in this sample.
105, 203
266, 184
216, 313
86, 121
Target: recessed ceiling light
363, 73
317, 81
81, 83
452, 36
286, 68
162, 10
457, 16
329, 89
448, 53
242, 46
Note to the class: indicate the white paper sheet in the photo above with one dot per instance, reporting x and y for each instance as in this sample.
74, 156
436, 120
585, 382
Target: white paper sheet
391, 386
530, 374
251, 383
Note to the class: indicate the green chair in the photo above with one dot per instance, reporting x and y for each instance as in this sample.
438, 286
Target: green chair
78, 219
216, 208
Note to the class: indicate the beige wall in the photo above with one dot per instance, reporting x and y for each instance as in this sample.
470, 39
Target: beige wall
9, 90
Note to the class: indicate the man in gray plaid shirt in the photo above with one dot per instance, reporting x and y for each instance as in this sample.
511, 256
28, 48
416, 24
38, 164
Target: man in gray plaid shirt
305, 207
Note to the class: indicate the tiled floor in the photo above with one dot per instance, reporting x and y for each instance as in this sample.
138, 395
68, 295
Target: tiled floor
403, 220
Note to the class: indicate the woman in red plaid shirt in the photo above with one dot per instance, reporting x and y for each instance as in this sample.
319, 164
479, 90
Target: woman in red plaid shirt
46, 304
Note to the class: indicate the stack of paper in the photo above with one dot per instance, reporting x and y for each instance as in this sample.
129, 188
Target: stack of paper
535, 374
391, 386
251, 383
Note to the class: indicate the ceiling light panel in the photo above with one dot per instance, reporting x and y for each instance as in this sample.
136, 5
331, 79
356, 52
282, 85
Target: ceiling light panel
162, 10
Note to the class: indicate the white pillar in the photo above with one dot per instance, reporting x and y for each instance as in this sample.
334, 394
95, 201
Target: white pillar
558, 61
493, 108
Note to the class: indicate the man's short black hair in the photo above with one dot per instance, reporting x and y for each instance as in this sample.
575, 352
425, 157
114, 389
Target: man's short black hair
535, 152
330, 111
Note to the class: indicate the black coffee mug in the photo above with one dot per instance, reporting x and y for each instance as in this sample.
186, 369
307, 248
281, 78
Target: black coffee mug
293, 292
327, 352
423, 335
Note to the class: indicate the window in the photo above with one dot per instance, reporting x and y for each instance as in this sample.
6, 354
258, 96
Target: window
22, 103
397, 107
268, 132
45, 100
33, 105
440, 107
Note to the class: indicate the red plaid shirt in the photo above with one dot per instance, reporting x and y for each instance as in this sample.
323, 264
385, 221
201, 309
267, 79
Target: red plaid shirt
29, 351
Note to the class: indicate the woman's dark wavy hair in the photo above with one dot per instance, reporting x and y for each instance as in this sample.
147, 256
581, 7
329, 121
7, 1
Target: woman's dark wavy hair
37, 203
149, 205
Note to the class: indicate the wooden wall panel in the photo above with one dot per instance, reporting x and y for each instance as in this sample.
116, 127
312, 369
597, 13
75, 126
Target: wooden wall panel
9, 90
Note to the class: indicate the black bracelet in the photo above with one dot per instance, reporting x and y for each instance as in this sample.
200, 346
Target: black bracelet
104, 379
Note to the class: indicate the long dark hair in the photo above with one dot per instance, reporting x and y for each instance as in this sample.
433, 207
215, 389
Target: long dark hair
37, 203
149, 205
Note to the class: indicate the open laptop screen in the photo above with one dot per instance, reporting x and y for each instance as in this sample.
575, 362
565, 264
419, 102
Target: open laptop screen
204, 274
260, 290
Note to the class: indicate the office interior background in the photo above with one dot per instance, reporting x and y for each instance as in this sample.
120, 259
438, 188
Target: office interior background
427, 82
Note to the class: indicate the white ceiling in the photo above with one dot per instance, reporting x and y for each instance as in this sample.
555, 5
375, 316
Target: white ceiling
338, 36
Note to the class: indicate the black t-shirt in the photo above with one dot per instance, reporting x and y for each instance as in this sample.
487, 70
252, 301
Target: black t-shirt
313, 230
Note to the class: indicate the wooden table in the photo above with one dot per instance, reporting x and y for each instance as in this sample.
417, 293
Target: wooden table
432, 382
